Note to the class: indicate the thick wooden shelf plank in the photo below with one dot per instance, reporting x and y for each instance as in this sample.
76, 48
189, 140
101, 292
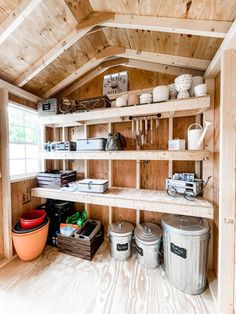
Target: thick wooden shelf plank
150, 200
196, 155
173, 108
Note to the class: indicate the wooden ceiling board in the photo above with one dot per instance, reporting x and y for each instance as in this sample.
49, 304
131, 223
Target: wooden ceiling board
73, 58
195, 9
79, 8
46, 26
168, 43
6, 7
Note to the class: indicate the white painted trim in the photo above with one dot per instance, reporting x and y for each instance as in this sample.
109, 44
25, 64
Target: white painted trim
6, 187
19, 14
19, 92
22, 177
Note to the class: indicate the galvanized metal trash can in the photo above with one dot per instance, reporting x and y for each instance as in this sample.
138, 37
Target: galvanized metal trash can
120, 237
148, 239
185, 244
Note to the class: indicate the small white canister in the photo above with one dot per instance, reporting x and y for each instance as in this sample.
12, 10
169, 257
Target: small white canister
194, 136
148, 239
120, 237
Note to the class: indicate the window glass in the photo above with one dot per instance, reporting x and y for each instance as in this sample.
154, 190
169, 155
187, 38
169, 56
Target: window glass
24, 140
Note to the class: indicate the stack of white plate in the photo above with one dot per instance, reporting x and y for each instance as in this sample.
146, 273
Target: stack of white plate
145, 99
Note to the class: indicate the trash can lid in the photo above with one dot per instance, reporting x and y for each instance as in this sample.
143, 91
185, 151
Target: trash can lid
185, 224
121, 228
148, 233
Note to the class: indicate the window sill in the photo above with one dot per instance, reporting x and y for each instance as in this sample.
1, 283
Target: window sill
23, 177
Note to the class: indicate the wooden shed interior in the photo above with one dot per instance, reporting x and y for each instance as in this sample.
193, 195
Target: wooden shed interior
63, 49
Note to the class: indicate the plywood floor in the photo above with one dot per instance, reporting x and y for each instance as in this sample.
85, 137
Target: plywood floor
58, 283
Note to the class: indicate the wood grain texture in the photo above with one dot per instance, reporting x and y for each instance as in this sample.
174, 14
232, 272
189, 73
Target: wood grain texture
216, 174
21, 198
204, 10
102, 286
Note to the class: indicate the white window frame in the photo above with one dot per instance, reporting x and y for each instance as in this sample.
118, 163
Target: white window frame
25, 176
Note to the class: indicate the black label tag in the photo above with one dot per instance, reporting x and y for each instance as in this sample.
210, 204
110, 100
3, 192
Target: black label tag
139, 250
178, 250
46, 106
122, 247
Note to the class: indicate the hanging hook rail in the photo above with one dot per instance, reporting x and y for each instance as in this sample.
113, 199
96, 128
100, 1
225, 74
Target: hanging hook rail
158, 116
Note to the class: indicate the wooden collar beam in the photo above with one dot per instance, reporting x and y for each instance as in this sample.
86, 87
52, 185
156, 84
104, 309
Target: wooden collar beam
171, 25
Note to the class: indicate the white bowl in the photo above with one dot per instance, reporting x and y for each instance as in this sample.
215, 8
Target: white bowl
121, 101
183, 94
160, 93
145, 95
200, 90
183, 82
196, 80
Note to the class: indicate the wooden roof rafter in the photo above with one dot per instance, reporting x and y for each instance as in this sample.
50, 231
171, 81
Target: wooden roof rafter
98, 59
132, 63
164, 59
91, 26
16, 17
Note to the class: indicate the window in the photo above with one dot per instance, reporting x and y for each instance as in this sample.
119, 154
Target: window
23, 140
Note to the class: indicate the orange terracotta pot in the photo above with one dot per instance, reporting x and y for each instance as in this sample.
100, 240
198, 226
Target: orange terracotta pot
31, 244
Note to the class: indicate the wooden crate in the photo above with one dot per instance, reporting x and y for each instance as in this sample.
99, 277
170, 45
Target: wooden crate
55, 179
84, 249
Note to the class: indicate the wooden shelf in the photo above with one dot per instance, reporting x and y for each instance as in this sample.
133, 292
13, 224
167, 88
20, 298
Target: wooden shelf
173, 108
195, 155
150, 200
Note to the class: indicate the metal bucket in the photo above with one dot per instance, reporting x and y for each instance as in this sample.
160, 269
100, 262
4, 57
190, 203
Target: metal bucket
185, 244
120, 237
148, 240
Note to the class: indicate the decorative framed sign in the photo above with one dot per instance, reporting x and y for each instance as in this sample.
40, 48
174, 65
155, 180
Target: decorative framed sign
115, 83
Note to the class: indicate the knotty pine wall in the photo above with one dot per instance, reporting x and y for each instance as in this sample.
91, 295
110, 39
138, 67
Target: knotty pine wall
153, 173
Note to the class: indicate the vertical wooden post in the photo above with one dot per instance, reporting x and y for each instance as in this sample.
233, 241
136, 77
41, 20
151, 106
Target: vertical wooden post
42, 141
86, 163
110, 177
208, 165
227, 183
198, 163
5, 171
65, 138
170, 164
138, 184
56, 138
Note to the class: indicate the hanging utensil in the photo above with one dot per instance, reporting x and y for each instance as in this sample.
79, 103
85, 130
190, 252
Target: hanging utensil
146, 130
151, 129
133, 132
141, 131
157, 124
137, 134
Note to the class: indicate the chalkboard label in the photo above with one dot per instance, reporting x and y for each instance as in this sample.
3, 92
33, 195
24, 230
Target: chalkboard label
139, 250
178, 250
122, 247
